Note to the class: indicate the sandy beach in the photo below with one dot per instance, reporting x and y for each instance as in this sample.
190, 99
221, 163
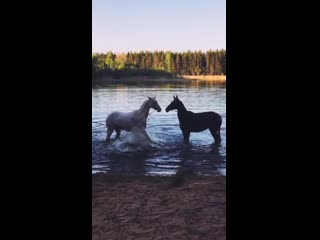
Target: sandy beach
191, 207
214, 78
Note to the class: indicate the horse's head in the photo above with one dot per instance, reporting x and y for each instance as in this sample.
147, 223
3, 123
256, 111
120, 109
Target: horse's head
154, 104
175, 104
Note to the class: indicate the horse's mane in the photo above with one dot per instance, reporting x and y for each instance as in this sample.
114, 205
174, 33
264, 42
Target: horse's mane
183, 106
144, 103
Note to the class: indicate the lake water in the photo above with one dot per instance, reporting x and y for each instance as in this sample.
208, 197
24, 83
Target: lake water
128, 156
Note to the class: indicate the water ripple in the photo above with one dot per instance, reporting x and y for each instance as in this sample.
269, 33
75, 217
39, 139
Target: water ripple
132, 155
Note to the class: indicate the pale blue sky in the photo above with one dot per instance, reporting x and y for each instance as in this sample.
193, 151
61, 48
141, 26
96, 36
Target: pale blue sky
176, 25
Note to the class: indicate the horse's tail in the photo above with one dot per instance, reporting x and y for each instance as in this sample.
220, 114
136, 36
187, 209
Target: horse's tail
218, 129
108, 120
220, 123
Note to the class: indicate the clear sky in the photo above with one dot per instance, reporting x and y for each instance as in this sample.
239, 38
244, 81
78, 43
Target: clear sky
176, 25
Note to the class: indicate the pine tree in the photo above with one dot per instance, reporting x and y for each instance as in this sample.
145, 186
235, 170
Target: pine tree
178, 64
110, 63
169, 62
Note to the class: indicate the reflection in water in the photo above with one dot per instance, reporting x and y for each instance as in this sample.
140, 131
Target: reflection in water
128, 156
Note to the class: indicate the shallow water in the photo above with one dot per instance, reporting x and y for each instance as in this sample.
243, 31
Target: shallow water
130, 155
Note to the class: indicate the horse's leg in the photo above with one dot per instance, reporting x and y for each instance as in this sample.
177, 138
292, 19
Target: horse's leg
118, 131
186, 136
109, 133
219, 135
216, 135
145, 134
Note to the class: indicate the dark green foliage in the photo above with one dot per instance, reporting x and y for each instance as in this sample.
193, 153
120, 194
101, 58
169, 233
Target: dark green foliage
159, 64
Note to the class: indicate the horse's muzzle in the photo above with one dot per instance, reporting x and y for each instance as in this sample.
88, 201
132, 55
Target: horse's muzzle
167, 110
159, 110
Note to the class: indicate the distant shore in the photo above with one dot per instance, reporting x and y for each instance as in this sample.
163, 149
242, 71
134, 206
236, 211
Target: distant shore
191, 207
219, 79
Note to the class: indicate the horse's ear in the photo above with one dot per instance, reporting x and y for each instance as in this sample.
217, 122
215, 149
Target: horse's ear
154, 97
177, 97
149, 97
174, 97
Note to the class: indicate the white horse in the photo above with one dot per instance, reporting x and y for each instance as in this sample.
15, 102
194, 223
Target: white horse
131, 121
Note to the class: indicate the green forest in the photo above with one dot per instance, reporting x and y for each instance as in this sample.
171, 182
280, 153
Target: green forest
159, 63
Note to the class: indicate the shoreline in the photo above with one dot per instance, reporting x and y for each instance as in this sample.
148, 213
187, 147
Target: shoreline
218, 79
145, 207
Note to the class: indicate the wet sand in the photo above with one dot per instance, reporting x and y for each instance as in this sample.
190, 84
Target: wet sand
179, 207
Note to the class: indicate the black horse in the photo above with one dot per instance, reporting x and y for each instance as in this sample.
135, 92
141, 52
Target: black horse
196, 122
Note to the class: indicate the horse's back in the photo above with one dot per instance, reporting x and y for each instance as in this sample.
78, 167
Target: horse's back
206, 116
200, 121
120, 120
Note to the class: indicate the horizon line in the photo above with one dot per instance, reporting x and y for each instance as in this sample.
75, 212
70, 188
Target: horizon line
120, 52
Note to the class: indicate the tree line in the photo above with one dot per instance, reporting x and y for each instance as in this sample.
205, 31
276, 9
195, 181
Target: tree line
159, 63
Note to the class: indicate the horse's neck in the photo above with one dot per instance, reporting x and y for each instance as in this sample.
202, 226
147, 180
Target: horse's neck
182, 110
144, 109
